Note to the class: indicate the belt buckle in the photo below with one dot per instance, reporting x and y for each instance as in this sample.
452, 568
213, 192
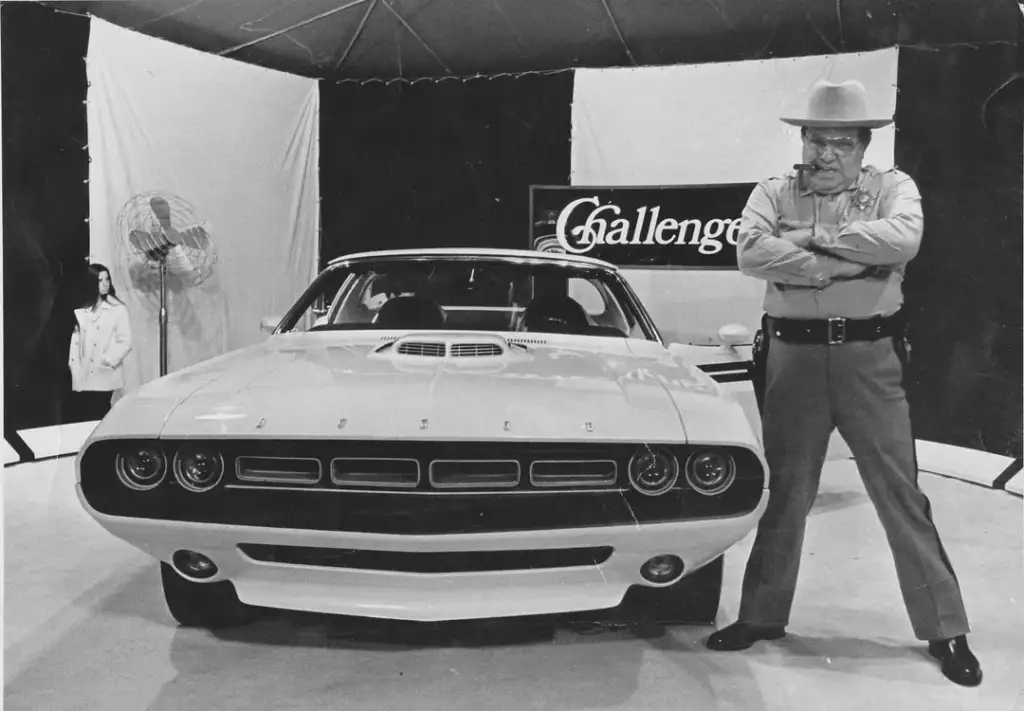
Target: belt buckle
836, 336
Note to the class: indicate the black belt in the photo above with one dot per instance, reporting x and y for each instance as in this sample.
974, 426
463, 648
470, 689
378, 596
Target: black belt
833, 331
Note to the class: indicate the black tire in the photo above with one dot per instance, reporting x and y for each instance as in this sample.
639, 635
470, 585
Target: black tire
209, 605
693, 600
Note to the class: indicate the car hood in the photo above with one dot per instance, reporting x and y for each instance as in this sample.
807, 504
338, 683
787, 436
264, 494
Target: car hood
337, 385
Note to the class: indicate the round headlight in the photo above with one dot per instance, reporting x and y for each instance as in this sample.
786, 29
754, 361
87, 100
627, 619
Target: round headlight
198, 469
141, 469
653, 471
710, 473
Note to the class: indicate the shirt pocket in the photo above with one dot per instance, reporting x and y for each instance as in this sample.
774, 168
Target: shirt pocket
864, 204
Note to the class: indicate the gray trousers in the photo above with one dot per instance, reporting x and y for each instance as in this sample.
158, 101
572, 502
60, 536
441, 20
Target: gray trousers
856, 387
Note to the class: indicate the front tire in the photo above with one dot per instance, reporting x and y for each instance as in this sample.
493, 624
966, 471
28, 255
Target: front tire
209, 605
694, 600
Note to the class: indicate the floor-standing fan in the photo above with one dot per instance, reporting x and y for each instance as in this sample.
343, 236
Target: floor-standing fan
163, 233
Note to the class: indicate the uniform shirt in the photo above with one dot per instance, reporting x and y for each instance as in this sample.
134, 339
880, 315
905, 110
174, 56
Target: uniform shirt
877, 221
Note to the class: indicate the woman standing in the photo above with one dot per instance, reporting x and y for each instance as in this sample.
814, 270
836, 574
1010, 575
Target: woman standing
101, 340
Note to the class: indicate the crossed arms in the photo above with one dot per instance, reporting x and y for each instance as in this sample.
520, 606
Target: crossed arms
802, 254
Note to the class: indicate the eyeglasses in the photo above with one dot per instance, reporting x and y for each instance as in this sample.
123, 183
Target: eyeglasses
839, 146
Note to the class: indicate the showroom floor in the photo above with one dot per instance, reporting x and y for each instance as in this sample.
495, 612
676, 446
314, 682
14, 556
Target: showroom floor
85, 628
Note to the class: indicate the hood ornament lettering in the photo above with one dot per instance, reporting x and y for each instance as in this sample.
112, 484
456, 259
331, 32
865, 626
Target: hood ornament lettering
588, 426
341, 423
508, 426
424, 424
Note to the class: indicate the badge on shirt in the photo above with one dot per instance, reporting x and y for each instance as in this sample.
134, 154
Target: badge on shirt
864, 200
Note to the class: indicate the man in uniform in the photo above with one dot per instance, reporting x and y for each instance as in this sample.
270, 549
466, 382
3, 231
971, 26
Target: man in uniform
832, 240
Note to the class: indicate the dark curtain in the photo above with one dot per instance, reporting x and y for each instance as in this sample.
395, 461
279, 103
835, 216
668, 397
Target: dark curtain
45, 204
439, 164
959, 135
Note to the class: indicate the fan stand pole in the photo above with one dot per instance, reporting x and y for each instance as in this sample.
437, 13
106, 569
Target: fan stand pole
163, 317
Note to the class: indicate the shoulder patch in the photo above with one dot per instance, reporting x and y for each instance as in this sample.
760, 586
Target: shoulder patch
778, 185
893, 177
893, 171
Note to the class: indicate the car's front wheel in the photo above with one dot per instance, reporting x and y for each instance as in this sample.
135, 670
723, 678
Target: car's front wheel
202, 604
692, 600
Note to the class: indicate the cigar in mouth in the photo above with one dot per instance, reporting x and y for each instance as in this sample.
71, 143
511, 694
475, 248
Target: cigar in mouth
805, 166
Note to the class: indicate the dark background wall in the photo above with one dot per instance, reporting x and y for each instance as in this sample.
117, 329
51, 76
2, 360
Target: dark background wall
961, 139
444, 164
45, 204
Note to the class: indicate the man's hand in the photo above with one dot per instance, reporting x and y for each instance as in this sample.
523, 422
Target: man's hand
800, 236
851, 270
808, 235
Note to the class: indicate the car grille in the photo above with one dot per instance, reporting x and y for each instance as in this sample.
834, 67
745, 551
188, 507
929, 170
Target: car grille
278, 470
572, 474
441, 474
376, 472
428, 562
438, 468
474, 473
386, 487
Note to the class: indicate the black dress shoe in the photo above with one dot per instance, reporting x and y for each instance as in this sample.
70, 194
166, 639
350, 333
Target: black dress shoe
958, 662
740, 635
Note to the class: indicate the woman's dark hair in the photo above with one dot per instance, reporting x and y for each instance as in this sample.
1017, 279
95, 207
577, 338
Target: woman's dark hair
91, 286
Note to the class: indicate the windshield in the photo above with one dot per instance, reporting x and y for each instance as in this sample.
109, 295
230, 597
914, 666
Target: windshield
470, 295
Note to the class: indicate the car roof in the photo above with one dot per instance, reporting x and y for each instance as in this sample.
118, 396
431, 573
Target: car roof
476, 252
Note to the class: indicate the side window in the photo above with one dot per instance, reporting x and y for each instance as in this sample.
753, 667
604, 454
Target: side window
310, 317
587, 295
358, 300
318, 303
315, 314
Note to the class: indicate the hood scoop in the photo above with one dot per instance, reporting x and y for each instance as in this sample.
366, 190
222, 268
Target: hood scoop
457, 346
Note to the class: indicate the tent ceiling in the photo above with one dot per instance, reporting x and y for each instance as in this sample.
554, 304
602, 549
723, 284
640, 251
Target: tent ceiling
414, 39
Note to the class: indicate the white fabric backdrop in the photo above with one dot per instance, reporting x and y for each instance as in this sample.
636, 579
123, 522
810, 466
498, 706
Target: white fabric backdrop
233, 149
701, 124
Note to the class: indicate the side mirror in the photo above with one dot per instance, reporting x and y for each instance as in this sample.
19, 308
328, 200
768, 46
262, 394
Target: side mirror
269, 324
734, 334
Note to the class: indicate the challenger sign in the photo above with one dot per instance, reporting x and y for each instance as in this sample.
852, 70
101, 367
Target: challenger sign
687, 226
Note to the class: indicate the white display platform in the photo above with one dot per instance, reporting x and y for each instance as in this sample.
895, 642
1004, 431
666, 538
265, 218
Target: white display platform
970, 465
59, 440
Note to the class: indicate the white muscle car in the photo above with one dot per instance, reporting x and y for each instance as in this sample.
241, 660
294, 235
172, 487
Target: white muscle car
458, 434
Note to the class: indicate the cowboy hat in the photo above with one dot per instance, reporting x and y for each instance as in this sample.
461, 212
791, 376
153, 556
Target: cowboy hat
843, 104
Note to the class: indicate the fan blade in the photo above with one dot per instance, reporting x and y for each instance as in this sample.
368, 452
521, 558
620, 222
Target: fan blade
195, 238
162, 210
153, 247
179, 264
